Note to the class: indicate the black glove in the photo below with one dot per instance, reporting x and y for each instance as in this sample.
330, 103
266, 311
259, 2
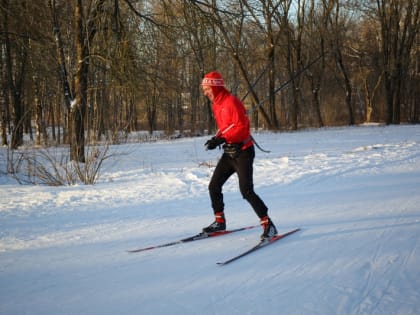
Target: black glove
213, 143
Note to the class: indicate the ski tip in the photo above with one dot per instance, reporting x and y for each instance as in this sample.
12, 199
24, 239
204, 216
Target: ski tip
134, 251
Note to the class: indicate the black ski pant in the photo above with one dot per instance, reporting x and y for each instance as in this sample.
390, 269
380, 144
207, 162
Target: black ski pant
242, 166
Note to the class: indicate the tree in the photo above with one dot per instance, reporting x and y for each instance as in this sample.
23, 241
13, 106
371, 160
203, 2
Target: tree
268, 23
16, 40
231, 25
338, 23
60, 57
400, 23
85, 30
368, 77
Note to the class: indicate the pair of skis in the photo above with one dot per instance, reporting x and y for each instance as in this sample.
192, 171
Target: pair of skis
201, 236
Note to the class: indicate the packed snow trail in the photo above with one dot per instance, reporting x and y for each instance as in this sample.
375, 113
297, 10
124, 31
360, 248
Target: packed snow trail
354, 192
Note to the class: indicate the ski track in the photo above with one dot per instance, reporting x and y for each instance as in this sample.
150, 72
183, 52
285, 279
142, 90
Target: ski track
353, 192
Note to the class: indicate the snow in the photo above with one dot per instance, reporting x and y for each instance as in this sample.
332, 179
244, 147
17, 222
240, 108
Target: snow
353, 191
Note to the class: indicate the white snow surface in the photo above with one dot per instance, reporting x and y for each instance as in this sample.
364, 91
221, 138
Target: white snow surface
353, 191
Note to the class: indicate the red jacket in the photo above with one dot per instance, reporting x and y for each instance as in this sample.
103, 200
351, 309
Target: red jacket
231, 118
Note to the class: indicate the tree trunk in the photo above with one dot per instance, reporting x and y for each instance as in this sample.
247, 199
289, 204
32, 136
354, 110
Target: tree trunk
15, 78
68, 96
78, 107
347, 84
4, 104
85, 32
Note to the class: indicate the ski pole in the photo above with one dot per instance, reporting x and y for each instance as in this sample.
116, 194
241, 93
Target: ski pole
219, 133
285, 84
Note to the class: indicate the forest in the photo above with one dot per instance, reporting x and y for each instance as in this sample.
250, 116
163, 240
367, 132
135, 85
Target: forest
78, 72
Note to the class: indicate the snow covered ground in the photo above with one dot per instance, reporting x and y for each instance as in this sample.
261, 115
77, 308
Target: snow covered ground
354, 192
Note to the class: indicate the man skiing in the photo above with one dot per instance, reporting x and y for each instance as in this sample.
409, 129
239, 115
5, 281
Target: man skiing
238, 157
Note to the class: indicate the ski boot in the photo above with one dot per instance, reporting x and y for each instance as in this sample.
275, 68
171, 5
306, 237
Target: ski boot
269, 228
218, 225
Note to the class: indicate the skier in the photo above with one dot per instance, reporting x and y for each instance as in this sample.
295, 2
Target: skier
234, 133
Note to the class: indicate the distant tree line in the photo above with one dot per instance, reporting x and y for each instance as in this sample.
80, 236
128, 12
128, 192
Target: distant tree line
74, 72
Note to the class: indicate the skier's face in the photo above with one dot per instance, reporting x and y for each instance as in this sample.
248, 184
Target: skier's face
208, 92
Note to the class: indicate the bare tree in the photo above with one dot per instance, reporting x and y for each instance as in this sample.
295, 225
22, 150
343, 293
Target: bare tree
317, 37
293, 55
338, 23
399, 20
266, 18
60, 57
369, 74
85, 29
4, 97
231, 23
16, 59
